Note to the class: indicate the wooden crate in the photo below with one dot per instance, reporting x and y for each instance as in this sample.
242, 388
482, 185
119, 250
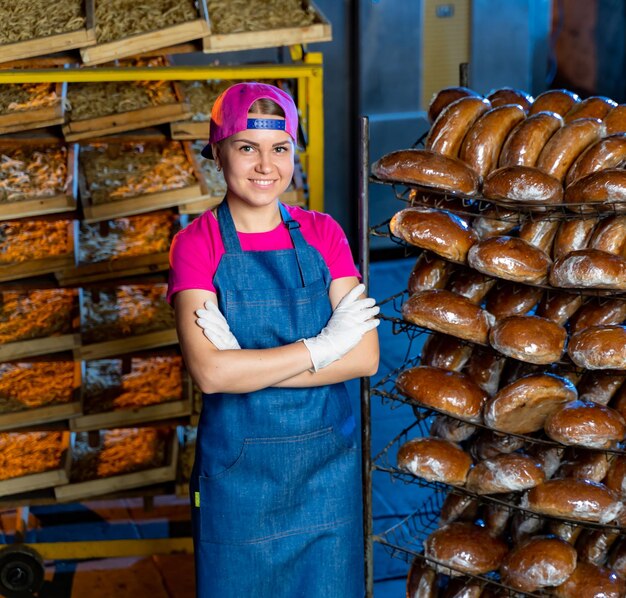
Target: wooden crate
104, 486
319, 31
46, 479
131, 344
146, 42
36, 118
44, 415
38, 346
190, 130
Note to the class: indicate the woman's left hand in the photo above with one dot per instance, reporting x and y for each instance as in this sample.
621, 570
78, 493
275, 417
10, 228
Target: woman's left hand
215, 327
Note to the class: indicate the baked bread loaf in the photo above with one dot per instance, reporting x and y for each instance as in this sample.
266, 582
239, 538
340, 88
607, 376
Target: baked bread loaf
600, 386
540, 233
449, 392
568, 532
435, 460
458, 507
438, 231
444, 311
599, 348
463, 588
599, 313
510, 95
554, 100
588, 268
429, 272
485, 368
444, 97
495, 221
617, 558
573, 235
528, 338
587, 465
525, 185
538, 562
574, 499
452, 124
426, 168
489, 444
505, 473
615, 120
446, 352
609, 152
591, 581
525, 142
465, 548
512, 299
421, 581
601, 190
496, 518
470, 284
523, 406
564, 147
581, 423
481, 146
451, 429
609, 235
559, 307
616, 476
549, 457
593, 546
591, 107
524, 526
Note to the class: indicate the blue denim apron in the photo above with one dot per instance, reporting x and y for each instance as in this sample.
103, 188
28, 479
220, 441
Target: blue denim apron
275, 488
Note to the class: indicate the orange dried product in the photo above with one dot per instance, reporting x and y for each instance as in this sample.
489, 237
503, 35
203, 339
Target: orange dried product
27, 453
17, 97
24, 240
201, 95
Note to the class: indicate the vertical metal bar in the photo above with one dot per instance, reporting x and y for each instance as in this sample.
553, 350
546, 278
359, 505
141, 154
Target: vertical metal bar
364, 263
464, 74
315, 149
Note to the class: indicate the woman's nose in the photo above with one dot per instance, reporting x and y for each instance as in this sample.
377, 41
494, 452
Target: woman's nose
265, 163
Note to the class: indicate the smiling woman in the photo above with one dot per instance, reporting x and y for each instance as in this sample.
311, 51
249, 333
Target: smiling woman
271, 321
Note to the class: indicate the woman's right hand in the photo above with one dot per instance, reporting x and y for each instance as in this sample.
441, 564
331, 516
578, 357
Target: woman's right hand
215, 327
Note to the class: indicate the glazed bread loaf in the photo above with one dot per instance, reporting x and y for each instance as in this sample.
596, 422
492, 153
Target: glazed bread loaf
586, 424
435, 460
489, 444
537, 563
446, 352
496, 518
593, 545
449, 392
452, 124
444, 97
554, 100
451, 429
569, 532
591, 581
574, 499
528, 338
598, 313
601, 190
616, 476
429, 272
465, 548
588, 268
599, 348
495, 221
485, 367
609, 235
505, 473
572, 235
609, 152
525, 185
427, 168
525, 142
523, 406
510, 95
540, 233
524, 527
441, 232
615, 120
549, 457
591, 107
587, 465
512, 299
444, 311
470, 284
599, 386
559, 307
421, 582
458, 507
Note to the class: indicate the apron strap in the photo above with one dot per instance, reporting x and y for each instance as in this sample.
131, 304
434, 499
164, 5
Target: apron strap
227, 229
299, 244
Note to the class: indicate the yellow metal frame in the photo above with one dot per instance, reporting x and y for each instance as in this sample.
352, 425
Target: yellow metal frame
308, 72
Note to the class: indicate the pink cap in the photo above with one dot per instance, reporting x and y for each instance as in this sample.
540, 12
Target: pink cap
229, 114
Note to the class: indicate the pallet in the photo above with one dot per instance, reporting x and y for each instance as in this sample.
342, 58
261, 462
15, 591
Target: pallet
38, 481
103, 486
320, 31
132, 344
190, 130
145, 42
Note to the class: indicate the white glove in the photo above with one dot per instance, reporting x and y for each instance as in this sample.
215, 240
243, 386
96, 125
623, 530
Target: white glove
350, 320
215, 327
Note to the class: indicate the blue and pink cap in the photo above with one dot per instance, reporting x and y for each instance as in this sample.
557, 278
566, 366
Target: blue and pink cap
230, 113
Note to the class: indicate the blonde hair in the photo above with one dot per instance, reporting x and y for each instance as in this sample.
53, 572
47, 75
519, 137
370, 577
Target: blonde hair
267, 107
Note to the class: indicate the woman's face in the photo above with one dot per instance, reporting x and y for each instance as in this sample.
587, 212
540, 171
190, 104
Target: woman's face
257, 163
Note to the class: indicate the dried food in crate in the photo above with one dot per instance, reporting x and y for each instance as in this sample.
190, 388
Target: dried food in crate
26, 20
146, 234
591, 107
591, 581
511, 472
444, 97
92, 100
27, 453
509, 95
128, 310
117, 19
150, 381
524, 185
30, 173
36, 314
236, 16
22, 241
119, 171
34, 384
599, 348
604, 190
609, 152
121, 451
554, 100
201, 95
27, 96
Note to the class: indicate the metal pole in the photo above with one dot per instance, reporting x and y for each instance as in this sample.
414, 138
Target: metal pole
364, 263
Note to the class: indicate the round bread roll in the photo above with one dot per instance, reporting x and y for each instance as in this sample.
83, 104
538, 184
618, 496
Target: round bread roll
601, 190
451, 429
525, 142
574, 499
444, 97
619, 401
603, 312
616, 476
446, 352
564, 147
514, 370
593, 546
458, 507
435, 460
558, 307
510, 95
421, 582
505, 473
465, 548
581, 423
510, 258
525, 185
554, 100
524, 527
600, 387
587, 465
610, 235
512, 299
444, 311
470, 284
449, 392
528, 338
438, 231
588, 268
568, 532
591, 107
537, 563
540, 233
617, 558
427, 168
599, 348
549, 457
463, 588
489, 444
496, 518
615, 120
522, 406
573, 235
496, 221
591, 581
452, 124
609, 152
429, 272
484, 367
481, 146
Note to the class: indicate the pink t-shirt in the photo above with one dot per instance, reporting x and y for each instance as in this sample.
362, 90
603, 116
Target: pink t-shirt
197, 249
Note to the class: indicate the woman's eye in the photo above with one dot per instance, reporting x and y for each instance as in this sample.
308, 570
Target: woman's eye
247, 148
280, 149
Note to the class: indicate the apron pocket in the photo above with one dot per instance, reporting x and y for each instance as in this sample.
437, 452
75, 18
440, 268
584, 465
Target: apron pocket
281, 487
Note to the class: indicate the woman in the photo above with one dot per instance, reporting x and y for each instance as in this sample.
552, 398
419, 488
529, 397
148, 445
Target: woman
275, 489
